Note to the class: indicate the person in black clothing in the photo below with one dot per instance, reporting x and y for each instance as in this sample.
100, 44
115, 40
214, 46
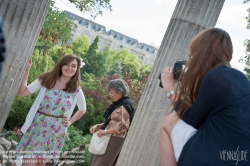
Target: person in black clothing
118, 117
210, 121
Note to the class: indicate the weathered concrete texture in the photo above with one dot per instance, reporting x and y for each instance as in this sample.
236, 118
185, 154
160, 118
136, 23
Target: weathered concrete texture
23, 20
189, 18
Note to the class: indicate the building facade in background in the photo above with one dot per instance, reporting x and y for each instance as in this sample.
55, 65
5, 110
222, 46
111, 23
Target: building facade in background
112, 39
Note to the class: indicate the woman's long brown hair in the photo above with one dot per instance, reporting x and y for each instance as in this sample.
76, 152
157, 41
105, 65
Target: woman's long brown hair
48, 79
208, 50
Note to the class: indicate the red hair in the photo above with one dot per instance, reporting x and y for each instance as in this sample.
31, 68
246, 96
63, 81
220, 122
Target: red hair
208, 50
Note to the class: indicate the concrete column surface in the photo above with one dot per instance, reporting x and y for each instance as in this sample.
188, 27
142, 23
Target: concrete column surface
189, 18
23, 20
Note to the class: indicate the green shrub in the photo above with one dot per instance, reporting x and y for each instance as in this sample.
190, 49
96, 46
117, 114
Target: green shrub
74, 139
19, 111
11, 137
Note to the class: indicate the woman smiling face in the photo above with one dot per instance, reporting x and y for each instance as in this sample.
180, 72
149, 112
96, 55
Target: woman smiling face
114, 96
69, 70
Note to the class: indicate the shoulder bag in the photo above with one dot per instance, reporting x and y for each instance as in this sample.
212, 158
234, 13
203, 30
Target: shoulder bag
98, 145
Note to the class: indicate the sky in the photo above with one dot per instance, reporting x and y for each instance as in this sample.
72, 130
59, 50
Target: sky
147, 21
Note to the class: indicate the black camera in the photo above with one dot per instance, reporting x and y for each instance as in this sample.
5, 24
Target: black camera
178, 66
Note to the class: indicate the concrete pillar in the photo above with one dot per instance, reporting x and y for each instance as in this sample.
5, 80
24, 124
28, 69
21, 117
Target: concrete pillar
23, 20
189, 18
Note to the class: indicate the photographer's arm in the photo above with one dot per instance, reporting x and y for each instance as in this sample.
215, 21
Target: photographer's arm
168, 82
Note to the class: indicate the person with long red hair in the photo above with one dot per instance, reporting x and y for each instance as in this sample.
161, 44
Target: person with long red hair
211, 107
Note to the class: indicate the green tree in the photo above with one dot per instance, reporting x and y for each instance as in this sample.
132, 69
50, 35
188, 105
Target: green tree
80, 46
247, 45
104, 62
116, 68
59, 51
91, 58
40, 64
19, 111
146, 69
57, 26
130, 63
56, 29
74, 138
93, 7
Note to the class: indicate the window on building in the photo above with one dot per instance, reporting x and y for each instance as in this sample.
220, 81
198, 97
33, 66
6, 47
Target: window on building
155, 52
133, 44
72, 17
87, 25
110, 33
81, 22
95, 28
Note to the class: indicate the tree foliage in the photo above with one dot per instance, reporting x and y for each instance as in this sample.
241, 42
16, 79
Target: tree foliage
19, 111
74, 138
92, 54
80, 46
91, 58
56, 29
40, 64
116, 68
247, 45
59, 51
93, 7
129, 63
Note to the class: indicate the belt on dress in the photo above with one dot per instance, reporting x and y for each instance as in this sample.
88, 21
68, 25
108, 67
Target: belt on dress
54, 116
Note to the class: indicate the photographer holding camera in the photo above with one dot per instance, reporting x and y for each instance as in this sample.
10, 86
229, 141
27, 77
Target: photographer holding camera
211, 107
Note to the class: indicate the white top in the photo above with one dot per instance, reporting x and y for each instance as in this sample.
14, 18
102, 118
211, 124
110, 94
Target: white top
35, 86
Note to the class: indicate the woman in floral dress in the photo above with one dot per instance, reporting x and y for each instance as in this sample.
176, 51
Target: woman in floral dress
50, 115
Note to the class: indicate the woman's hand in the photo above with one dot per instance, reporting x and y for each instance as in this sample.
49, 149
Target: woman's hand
23, 91
29, 65
101, 132
167, 79
92, 129
66, 122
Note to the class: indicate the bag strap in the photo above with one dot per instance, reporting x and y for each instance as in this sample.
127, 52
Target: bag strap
112, 114
109, 116
105, 123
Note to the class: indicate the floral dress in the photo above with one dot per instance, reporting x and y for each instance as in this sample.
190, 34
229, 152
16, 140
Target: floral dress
45, 137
